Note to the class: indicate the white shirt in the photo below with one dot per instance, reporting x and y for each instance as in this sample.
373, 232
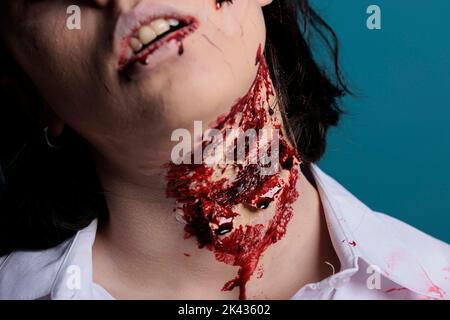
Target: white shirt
381, 258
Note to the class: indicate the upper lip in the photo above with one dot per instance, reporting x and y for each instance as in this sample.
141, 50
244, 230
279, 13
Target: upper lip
129, 22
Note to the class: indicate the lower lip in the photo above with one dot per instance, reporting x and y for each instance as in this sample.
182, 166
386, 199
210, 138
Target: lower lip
139, 69
161, 50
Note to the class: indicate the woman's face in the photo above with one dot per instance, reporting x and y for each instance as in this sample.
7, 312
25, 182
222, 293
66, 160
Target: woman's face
88, 78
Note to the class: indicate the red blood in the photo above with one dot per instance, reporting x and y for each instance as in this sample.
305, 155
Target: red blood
260, 273
209, 203
395, 289
180, 47
437, 291
219, 3
353, 243
259, 55
142, 56
434, 288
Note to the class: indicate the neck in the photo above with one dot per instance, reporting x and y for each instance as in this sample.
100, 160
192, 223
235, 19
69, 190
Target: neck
210, 227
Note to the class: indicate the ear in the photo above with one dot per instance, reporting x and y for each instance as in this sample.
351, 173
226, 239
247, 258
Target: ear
264, 3
56, 128
54, 122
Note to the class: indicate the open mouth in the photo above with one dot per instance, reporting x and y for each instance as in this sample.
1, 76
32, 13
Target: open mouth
151, 36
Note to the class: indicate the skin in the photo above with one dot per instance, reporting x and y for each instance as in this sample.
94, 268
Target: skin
140, 252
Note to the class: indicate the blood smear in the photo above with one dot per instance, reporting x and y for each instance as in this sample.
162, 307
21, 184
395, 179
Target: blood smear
209, 203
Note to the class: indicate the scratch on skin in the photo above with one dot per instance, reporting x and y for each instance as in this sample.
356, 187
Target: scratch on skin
108, 90
219, 4
211, 43
220, 50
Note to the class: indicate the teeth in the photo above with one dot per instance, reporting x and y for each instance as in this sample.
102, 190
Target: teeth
173, 22
160, 26
147, 34
130, 54
136, 44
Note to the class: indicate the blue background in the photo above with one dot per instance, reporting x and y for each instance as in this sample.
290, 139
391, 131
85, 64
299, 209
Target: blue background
392, 150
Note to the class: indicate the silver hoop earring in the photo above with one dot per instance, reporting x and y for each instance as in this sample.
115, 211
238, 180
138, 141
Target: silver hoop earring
47, 140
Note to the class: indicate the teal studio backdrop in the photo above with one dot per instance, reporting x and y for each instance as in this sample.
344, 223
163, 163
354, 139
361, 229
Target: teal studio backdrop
392, 149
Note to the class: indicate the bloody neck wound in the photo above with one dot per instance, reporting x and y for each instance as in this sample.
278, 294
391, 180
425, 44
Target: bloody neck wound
207, 196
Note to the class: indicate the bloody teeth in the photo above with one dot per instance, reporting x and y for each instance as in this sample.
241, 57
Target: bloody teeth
149, 38
136, 44
173, 22
160, 26
148, 33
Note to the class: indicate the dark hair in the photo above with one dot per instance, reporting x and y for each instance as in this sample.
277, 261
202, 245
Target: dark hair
50, 194
307, 95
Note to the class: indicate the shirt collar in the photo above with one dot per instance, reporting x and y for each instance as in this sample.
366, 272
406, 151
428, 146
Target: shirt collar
357, 232
74, 279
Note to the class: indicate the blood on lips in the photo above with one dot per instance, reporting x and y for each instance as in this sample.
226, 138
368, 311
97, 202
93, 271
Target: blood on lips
150, 37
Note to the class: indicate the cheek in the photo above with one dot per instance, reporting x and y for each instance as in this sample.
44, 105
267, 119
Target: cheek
232, 17
240, 31
233, 44
235, 17
47, 41
61, 54
218, 65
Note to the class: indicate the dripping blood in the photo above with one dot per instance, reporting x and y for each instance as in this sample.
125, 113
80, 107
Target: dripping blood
209, 204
